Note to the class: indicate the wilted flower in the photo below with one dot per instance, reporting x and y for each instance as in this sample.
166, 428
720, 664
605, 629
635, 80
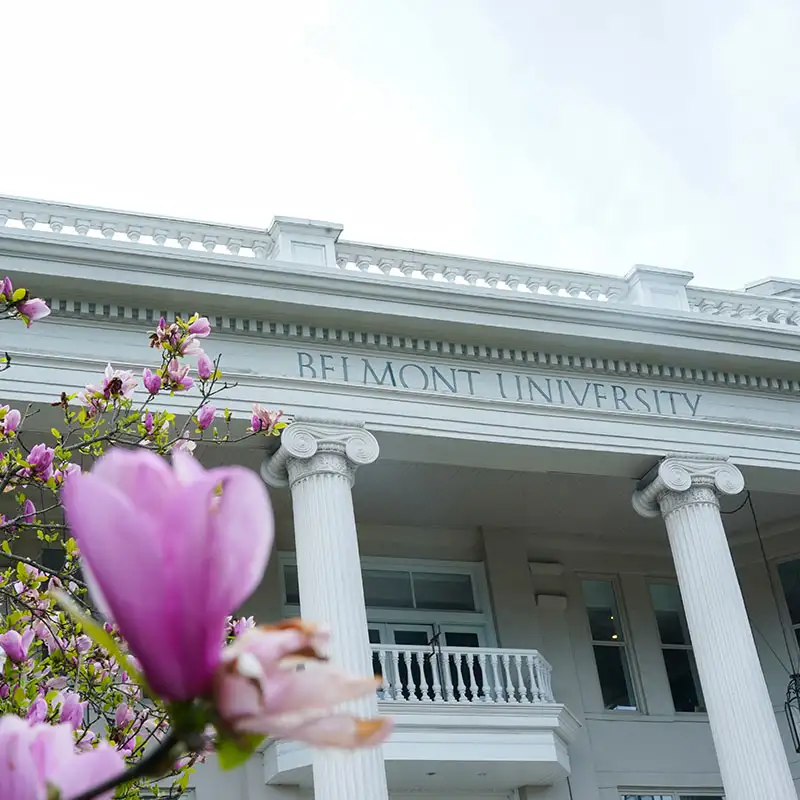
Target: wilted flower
191, 545
183, 445
257, 690
264, 421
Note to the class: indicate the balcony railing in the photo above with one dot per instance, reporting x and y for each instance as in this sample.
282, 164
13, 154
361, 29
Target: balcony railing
461, 675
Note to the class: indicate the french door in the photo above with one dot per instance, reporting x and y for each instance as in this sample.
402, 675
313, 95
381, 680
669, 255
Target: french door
425, 669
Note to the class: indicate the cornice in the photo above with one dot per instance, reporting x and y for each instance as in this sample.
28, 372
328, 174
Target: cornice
394, 344
214, 274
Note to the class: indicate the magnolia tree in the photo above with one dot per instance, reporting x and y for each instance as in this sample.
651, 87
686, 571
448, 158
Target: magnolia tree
122, 666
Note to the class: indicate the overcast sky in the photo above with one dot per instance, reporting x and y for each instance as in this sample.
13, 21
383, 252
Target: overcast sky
590, 134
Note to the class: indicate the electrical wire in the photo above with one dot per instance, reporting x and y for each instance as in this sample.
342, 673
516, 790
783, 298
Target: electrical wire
748, 501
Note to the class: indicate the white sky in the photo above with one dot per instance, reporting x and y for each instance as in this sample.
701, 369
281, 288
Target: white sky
591, 134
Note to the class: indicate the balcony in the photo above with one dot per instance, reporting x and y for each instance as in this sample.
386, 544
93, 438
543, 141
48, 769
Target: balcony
466, 718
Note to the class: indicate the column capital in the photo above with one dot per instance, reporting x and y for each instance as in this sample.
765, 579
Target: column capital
310, 447
681, 472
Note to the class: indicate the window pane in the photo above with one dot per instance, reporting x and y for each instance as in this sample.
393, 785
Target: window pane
683, 680
651, 797
701, 797
615, 681
669, 613
384, 588
789, 573
292, 587
443, 591
601, 605
461, 639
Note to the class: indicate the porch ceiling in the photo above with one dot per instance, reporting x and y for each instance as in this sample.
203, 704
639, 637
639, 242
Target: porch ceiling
428, 495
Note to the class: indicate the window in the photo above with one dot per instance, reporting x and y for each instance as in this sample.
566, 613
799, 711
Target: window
670, 796
676, 647
424, 590
608, 643
789, 574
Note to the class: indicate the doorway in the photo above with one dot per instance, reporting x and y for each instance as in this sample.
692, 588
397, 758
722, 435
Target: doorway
426, 662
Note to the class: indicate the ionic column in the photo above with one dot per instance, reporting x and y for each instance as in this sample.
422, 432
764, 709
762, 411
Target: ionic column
318, 462
684, 490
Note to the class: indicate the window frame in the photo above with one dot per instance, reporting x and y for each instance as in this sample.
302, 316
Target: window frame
673, 794
481, 618
690, 647
626, 645
784, 614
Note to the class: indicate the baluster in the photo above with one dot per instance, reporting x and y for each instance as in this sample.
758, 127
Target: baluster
435, 663
498, 684
543, 673
82, 226
108, 229
424, 685
448, 679
484, 686
5, 214
509, 682
462, 687
523, 689
56, 223
385, 687
536, 686
397, 693
411, 684
28, 220
184, 239
471, 659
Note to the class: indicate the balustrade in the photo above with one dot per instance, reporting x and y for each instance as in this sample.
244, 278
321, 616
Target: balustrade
412, 674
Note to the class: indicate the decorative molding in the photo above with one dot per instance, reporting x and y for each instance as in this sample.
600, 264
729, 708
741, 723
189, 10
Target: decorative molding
552, 602
384, 342
545, 568
313, 447
686, 479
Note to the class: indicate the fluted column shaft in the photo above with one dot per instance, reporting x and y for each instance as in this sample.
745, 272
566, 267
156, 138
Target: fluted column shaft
750, 752
318, 461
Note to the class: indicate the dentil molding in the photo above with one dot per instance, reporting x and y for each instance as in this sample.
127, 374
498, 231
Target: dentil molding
388, 343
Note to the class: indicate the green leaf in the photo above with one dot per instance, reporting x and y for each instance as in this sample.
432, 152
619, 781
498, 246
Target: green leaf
98, 635
18, 295
233, 753
56, 434
5, 547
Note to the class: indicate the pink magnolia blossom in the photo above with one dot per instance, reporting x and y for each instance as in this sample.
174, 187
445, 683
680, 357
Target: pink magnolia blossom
199, 326
263, 420
38, 760
178, 376
205, 367
206, 416
28, 511
32, 309
72, 710
183, 445
38, 710
257, 691
40, 460
152, 381
191, 545
123, 716
16, 645
189, 346
10, 419
7, 289
117, 383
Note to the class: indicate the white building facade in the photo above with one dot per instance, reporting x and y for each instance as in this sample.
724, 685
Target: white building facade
557, 512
